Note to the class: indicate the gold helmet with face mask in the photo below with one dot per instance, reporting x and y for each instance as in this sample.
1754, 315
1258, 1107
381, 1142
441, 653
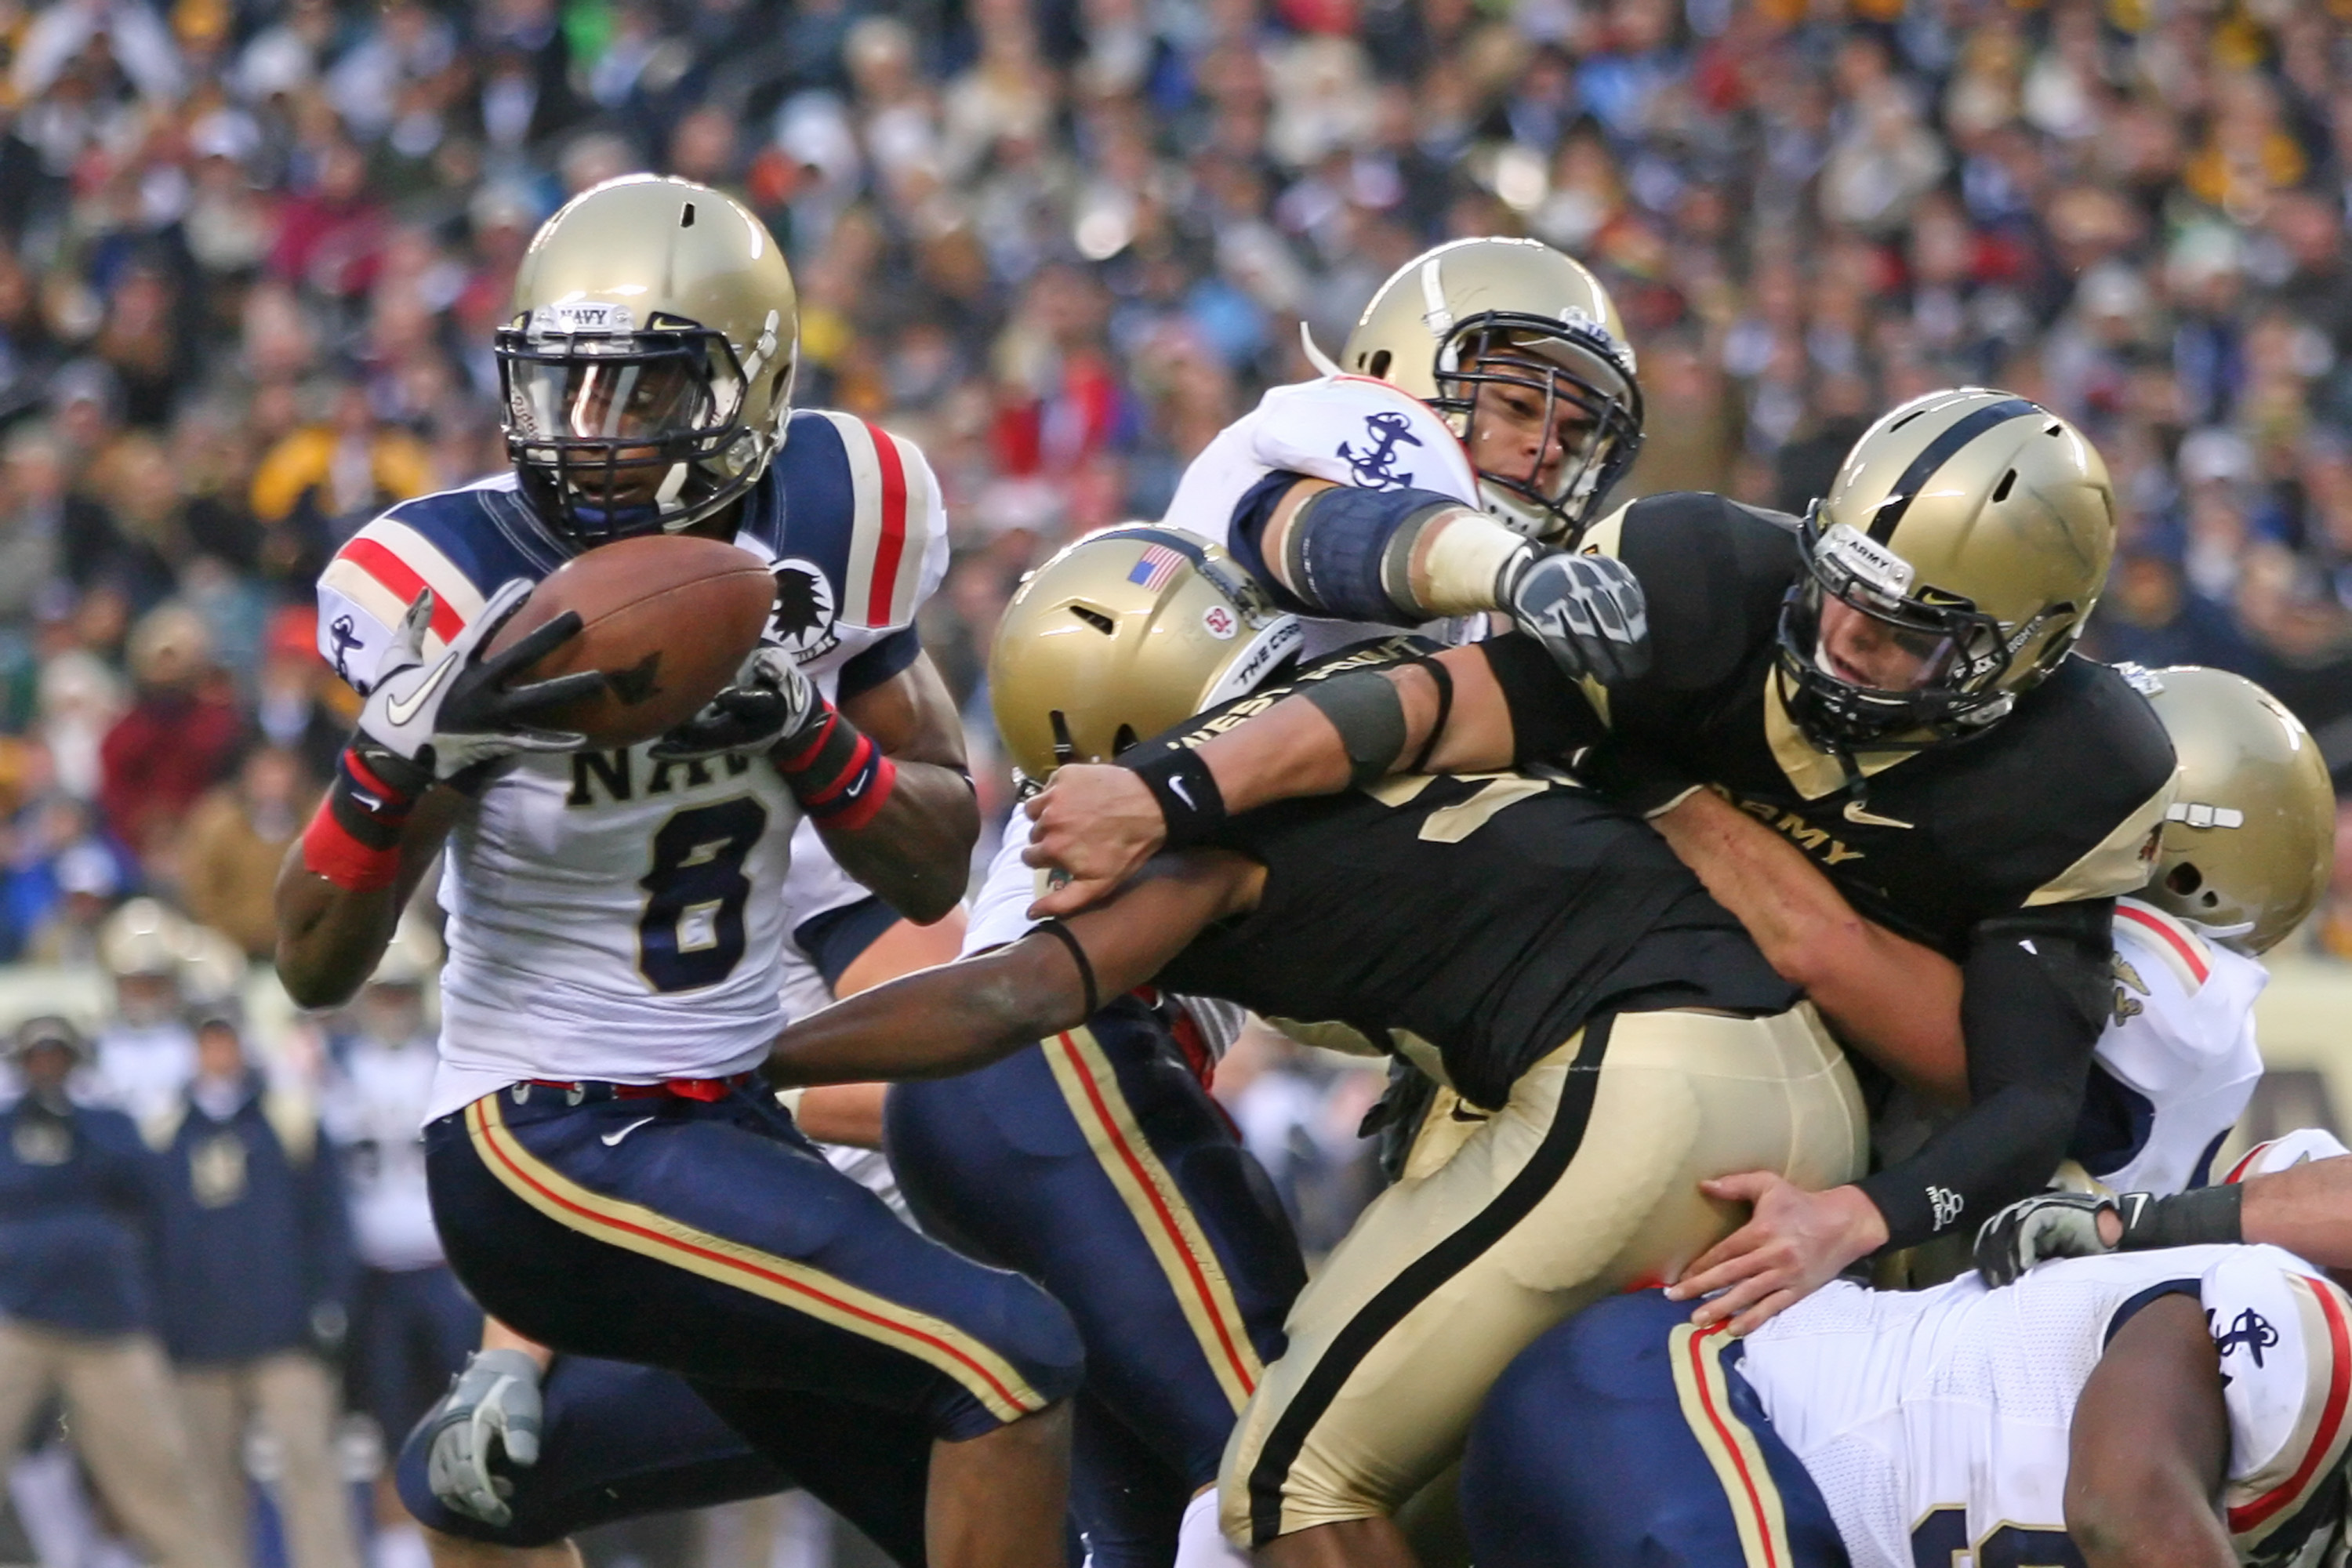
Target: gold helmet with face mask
648, 365
2250, 837
1122, 635
1951, 568
1484, 330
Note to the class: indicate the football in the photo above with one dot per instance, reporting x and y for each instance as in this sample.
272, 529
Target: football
668, 620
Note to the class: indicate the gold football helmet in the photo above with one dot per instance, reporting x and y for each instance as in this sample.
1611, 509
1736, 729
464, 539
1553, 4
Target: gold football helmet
1470, 324
1951, 568
1122, 635
2250, 837
647, 366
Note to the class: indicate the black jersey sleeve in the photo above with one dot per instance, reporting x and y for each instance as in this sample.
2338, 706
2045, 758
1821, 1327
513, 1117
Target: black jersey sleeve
2035, 989
1713, 574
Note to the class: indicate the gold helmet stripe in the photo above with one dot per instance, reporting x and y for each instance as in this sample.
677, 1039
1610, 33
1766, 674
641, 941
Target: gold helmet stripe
1939, 452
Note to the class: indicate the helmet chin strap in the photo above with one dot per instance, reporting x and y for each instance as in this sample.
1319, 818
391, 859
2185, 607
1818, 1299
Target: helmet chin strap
1513, 511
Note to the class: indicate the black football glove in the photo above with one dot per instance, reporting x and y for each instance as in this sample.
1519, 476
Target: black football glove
427, 721
770, 702
1589, 613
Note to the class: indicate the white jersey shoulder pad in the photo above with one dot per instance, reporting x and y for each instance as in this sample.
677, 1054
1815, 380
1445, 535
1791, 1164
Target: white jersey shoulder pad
860, 505
2284, 1334
1352, 431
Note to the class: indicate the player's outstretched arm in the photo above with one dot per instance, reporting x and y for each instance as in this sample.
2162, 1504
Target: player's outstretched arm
1100, 823
940, 1022
2305, 1208
2148, 1446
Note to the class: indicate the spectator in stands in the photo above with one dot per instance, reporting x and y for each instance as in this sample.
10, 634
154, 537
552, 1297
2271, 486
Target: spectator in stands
317, 485
177, 741
146, 1053
235, 839
252, 1274
80, 1209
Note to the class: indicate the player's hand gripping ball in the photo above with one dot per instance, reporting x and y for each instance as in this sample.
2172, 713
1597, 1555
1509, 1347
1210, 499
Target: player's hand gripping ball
492, 1409
770, 702
436, 720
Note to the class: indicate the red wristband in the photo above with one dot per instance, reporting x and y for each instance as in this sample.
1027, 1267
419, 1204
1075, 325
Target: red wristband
330, 850
852, 813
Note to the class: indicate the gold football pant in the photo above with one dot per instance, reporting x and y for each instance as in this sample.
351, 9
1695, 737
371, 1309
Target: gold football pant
1584, 1184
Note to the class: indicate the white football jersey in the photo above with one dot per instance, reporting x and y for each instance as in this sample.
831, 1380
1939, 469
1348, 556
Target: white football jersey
1348, 429
1935, 1422
611, 919
2176, 1062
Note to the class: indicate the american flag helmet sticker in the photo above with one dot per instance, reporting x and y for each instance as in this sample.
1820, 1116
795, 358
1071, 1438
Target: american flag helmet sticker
1155, 567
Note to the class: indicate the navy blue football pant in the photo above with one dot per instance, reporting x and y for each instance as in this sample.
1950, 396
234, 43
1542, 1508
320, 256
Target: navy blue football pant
621, 1441
1097, 1163
710, 1239
1624, 1437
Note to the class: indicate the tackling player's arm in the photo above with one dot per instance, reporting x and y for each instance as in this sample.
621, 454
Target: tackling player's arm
2149, 1446
1101, 822
2033, 994
963, 1016
1895, 1001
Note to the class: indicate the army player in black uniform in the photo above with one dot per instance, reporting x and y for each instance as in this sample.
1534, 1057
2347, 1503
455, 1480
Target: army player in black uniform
1888, 684
1615, 1035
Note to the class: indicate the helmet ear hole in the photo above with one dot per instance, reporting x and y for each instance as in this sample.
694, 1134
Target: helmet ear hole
1122, 739
2184, 878
1378, 367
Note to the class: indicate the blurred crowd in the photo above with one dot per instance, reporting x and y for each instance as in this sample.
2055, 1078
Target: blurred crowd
252, 253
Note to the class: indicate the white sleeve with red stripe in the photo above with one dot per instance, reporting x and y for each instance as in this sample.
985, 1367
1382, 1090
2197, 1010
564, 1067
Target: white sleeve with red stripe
2284, 1335
2181, 1034
898, 540
368, 587
2288, 1149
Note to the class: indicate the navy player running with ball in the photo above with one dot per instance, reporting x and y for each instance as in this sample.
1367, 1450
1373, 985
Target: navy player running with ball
602, 1178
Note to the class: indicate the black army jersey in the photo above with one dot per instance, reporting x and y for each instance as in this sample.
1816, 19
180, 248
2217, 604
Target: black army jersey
1490, 915
2056, 803
2004, 851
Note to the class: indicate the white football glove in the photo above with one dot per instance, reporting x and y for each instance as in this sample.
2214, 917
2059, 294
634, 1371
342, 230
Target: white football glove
2045, 1225
492, 1406
457, 713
